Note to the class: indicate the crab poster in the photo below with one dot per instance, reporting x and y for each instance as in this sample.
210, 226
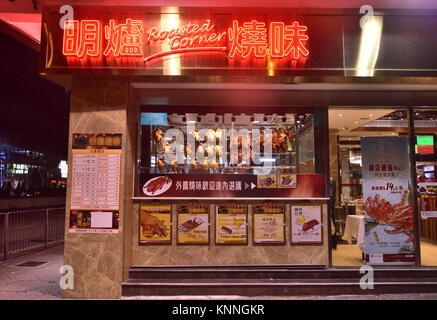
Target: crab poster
155, 224
389, 227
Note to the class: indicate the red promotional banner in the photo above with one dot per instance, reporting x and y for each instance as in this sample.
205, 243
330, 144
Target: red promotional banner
231, 186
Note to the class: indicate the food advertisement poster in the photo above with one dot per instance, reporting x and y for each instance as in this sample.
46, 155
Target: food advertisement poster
231, 224
388, 210
267, 181
287, 181
269, 224
306, 224
95, 183
189, 186
155, 224
193, 224
428, 197
92, 221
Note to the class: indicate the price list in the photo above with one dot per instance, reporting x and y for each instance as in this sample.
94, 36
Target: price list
96, 179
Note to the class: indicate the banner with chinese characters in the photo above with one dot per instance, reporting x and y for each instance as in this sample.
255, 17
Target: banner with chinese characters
229, 186
428, 197
193, 224
95, 183
93, 221
155, 224
269, 224
231, 224
306, 224
389, 226
145, 39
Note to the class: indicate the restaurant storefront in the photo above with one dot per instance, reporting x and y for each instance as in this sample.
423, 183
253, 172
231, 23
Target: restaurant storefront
201, 136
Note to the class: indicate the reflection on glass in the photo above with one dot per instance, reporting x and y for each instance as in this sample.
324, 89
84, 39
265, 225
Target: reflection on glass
228, 143
369, 46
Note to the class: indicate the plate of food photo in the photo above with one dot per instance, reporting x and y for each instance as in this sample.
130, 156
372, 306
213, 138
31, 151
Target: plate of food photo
266, 182
226, 230
190, 224
287, 181
310, 226
157, 186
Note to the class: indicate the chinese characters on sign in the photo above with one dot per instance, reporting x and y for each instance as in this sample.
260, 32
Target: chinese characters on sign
95, 183
130, 38
251, 39
231, 224
155, 224
193, 224
230, 185
269, 224
428, 197
306, 224
389, 227
193, 185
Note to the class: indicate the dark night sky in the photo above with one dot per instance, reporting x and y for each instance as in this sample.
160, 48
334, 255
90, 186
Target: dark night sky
34, 112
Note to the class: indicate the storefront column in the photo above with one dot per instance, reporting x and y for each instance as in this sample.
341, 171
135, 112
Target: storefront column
97, 259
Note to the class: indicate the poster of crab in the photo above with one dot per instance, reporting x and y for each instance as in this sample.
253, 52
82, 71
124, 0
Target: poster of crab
388, 209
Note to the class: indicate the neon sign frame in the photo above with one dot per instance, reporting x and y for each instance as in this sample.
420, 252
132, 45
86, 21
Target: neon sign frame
253, 39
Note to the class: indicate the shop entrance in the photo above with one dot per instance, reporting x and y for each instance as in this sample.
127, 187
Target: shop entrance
347, 128
425, 127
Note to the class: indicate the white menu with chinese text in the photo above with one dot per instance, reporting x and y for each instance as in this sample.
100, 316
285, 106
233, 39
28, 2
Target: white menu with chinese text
95, 179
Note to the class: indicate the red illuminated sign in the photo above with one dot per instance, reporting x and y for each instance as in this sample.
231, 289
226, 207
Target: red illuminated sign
251, 39
82, 38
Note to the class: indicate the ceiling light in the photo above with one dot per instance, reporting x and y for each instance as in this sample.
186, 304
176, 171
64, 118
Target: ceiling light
340, 115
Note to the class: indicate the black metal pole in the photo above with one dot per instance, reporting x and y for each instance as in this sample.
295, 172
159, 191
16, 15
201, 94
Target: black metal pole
46, 230
321, 159
414, 184
6, 236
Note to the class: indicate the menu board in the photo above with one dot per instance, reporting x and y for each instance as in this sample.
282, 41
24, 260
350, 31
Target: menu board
269, 224
428, 197
231, 224
155, 224
193, 224
95, 183
306, 224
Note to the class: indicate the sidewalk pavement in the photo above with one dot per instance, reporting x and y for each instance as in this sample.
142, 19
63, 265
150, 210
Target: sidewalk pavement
32, 283
42, 283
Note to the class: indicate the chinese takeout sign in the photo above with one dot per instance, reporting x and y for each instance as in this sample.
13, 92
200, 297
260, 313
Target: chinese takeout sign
148, 39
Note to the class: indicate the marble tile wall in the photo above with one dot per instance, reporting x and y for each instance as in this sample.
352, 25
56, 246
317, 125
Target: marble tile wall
100, 260
97, 259
227, 255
